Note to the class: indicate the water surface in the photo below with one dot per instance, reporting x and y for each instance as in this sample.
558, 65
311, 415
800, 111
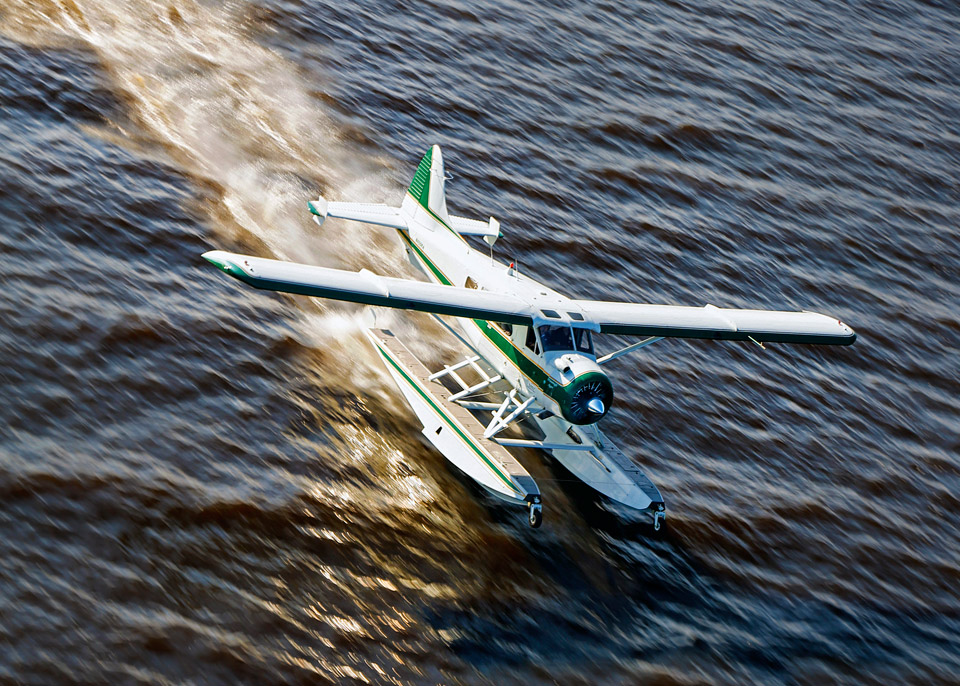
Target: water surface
203, 483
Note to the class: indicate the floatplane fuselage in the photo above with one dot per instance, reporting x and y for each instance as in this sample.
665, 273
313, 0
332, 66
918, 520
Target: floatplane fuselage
530, 347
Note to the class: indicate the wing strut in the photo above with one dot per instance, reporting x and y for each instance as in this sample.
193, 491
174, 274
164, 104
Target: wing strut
629, 349
497, 424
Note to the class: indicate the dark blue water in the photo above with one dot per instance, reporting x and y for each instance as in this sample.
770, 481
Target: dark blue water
202, 483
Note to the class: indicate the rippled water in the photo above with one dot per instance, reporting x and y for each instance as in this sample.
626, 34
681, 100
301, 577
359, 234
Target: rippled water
203, 483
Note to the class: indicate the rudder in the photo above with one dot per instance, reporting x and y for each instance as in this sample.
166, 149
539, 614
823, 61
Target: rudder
427, 186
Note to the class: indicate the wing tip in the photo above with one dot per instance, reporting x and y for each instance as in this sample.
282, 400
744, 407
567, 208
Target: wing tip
318, 208
221, 260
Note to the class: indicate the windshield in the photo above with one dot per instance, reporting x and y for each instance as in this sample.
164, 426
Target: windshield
556, 338
583, 340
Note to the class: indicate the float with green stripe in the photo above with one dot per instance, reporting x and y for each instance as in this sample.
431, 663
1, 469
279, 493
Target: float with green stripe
451, 422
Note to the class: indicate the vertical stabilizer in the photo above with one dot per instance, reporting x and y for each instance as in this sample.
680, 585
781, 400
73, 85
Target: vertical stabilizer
427, 187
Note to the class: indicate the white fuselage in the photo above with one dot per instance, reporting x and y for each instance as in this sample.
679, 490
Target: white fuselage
446, 258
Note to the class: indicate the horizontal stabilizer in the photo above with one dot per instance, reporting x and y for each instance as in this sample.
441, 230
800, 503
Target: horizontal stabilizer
369, 213
717, 323
475, 227
371, 289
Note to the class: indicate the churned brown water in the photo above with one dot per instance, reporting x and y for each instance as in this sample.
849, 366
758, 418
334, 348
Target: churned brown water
202, 484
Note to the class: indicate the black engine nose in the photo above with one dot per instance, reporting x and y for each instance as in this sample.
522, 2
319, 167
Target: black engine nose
588, 398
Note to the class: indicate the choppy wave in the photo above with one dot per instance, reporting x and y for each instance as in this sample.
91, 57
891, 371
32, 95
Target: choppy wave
202, 483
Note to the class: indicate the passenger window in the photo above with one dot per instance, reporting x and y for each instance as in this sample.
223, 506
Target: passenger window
556, 338
583, 340
508, 328
532, 342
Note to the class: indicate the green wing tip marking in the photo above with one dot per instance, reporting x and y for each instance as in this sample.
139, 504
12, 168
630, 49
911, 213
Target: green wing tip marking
221, 264
208, 256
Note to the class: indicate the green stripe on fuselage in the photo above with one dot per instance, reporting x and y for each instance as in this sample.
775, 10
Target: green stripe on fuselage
441, 277
529, 368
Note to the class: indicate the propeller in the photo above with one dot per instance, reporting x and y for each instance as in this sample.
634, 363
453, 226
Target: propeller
588, 399
595, 405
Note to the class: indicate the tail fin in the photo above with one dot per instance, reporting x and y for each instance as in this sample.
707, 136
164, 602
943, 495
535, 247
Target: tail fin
427, 187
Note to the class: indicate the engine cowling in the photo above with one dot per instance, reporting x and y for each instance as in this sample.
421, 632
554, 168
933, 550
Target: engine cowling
581, 397
587, 394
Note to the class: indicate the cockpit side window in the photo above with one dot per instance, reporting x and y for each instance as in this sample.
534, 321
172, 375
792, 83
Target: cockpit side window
556, 338
532, 341
583, 340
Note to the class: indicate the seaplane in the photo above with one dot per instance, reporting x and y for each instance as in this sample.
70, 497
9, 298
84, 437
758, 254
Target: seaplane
529, 364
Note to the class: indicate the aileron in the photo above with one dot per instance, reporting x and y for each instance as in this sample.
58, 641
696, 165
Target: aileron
712, 322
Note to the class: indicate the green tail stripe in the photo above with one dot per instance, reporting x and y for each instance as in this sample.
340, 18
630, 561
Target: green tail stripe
420, 186
420, 190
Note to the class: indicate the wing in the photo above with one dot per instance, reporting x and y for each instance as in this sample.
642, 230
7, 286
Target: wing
717, 323
370, 289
